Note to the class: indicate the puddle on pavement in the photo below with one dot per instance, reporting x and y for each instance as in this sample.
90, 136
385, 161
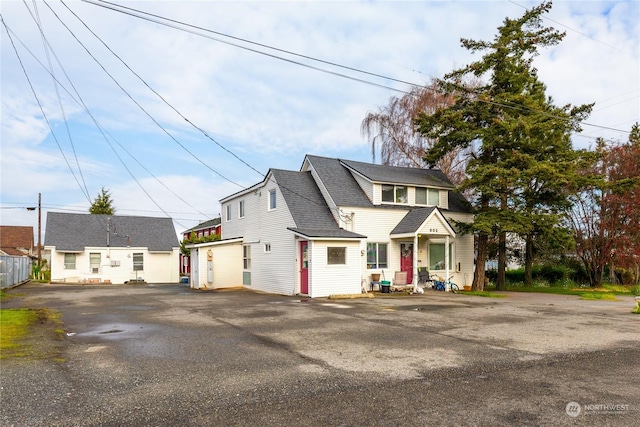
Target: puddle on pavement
116, 331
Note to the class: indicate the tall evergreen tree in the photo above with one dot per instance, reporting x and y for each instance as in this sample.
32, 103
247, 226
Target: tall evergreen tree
102, 204
523, 160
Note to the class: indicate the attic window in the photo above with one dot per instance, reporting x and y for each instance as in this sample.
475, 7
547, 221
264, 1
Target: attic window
395, 194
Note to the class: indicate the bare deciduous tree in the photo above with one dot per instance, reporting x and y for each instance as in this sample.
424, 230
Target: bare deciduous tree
391, 129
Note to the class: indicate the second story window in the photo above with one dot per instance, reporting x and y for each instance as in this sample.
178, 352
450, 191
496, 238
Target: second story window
394, 194
427, 196
272, 199
228, 212
241, 209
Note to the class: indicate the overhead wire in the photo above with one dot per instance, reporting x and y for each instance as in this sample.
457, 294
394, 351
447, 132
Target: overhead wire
45, 43
44, 115
140, 106
170, 23
100, 128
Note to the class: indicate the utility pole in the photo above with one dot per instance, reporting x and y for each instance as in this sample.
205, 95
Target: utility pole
39, 228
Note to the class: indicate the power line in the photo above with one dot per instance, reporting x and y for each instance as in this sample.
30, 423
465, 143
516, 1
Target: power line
44, 115
140, 106
170, 23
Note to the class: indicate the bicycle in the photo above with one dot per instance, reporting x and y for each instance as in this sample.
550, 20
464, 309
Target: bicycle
441, 285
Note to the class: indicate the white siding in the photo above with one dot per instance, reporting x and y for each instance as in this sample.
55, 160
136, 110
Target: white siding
324, 279
226, 265
117, 266
444, 199
365, 184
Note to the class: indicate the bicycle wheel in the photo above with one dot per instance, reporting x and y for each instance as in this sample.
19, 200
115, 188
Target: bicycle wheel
454, 288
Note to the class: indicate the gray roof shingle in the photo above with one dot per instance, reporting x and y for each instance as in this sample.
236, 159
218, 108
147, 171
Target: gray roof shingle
412, 220
339, 182
400, 175
74, 232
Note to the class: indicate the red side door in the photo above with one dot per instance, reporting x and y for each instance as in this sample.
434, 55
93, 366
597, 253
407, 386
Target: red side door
406, 260
304, 267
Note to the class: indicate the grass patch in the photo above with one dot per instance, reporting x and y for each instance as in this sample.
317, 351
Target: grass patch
636, 310
483, 294
598, 296
29, 333
15, 325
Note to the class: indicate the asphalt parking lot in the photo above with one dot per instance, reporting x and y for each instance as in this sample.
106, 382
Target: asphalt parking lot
166, 355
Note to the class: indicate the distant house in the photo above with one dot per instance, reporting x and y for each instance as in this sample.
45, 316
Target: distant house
88, 248
328, 228
16, 240
203, 229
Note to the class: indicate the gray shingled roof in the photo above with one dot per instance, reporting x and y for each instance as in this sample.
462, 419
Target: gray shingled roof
412, 220
340, 184
345, 191
400, 175
74, 232
307, 206
334, 234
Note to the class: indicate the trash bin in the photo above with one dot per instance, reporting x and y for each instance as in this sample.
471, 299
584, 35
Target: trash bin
184, 280
385, 286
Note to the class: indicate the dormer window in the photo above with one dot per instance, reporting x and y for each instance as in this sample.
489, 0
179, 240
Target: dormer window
395, 194
427, 196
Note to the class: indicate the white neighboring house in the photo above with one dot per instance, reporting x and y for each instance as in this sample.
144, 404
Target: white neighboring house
88, 248
327, 228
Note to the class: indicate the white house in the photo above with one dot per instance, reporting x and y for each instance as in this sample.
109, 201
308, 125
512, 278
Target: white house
87, 248
327, 228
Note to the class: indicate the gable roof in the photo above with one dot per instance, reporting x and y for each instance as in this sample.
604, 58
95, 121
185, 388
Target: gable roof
73, 232
308, 208
13, 238
415, 218
206, 224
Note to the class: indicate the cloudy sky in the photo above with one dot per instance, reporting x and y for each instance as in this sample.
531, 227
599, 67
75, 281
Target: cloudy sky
171, 118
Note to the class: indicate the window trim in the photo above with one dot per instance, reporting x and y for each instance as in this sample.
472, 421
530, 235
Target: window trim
451, 255
92, 264
267, 248
228, 213
273, 196
246, 257
395, 200
344, 255
140, 263
69, 265
377, 264
241, 207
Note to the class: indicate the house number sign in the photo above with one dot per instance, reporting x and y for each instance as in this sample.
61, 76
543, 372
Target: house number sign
433, 230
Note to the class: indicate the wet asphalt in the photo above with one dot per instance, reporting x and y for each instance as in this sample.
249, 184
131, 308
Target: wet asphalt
166, 355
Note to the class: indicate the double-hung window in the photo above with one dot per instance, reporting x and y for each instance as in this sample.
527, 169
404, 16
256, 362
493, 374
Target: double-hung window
395, 194
138, 262
94, 262
228, 213
69, 261
376, 255
246, 257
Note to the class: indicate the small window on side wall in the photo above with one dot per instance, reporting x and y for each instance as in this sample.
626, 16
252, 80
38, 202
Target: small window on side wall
336, 255
272, 199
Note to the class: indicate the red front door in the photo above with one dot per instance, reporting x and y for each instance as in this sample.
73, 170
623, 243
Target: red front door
406, 260
304, 267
